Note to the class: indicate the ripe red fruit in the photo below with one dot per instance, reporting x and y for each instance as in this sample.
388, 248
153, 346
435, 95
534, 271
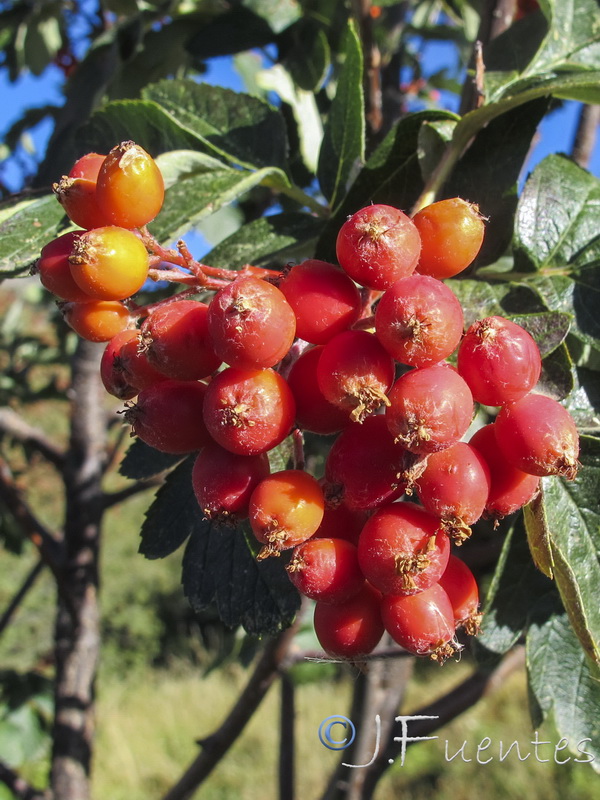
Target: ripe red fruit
419, 321
123, 369
351, 629
430, 409
340, 522
97, 320
402, 549
130, 188
538, 435
326, 570
499, 360
175, 339
249, 411
286, 508
455, 486
364, 466
378, 245
510, 488
422, 623
355, 372
54, 269
168, 416
251, 324
323, 298
88, 166
461, 587
313, 411
109, 263
223, 482
78, 198
451, 236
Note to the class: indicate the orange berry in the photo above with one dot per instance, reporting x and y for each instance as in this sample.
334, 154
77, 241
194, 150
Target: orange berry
451, 236
98, 320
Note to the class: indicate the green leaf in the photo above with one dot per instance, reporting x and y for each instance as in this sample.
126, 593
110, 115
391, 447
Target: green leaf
278, 13
236, 127
200, 193
235, 31
26, 225
308, 56
549, 328
565, 686
433, 138
142, 461
269, 241
565, 531
343, 146
173, 515
480, 299
220, 568
558, 377
282, 456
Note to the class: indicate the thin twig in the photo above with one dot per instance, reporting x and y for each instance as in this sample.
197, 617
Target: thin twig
13, 425
19, 786
20, 595
287, 738
114, 498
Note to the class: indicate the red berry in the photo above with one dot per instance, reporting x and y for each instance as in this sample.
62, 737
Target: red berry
88, 167
251, 324
510, 488
364, 466
249, 411
499, 360
455, 486
223, 482
326, 570
378, 245
451, 236
323, 298
123, 369
313, 411
461, 587
341, 522
422, 623
402, 549
419, 321
109, 263
351, 629
168, 416
175, 339
97, 320
430, 409
286, 508
537, 435
130, 189
78, 198
355, 372
55, 271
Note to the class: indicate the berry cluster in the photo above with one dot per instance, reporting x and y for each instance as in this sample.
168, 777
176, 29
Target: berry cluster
358, 351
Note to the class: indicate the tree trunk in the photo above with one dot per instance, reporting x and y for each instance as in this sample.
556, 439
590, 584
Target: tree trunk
77, 625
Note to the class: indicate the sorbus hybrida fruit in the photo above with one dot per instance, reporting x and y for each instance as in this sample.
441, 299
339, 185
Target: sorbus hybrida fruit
88, 166
313, 411
97, 320
124, 369
54, 269
421, 623
451, 236
326, 570
351, 629
461, 587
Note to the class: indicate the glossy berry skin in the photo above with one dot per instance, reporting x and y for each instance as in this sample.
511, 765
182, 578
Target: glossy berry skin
402, 549
340, 522
223, 482
251, 324
421, 623
54, 269
363, 466
326, 570
323, 298
499, 360
461, 587
109, 263
351, 629
168, 416
419, 321
286, 508
88, 166
249, 411
355, 373
378, 245
539, 436
123, 369
130, 188
430, 409
455, 486
451, 236
78, 198
313, 411
97, 320
176, 341
510, 488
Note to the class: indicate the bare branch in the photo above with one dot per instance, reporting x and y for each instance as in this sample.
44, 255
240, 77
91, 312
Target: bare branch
19, 787
372, 75
114, 498
287, 737
585, 137
20, 595
13, 425
49, 546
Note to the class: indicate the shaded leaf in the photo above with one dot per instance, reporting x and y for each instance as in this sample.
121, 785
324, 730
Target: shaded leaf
237, 30
557, 379
142, 461
549, 329
343, 144
481, 299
